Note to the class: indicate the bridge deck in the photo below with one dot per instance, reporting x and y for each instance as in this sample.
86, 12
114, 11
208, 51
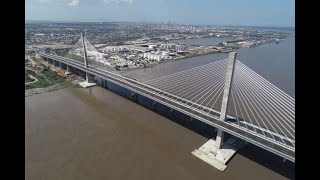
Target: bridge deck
204, 85
201, 113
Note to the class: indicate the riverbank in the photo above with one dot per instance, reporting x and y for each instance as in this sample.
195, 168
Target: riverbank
34, 91
44, 79
48, 78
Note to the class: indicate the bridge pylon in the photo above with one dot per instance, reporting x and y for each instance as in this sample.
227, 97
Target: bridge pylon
226, 95
216, 152
87, 83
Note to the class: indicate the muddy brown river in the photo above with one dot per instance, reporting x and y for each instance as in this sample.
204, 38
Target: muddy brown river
77, 133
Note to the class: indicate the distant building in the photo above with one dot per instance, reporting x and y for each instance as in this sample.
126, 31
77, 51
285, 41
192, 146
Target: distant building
168, 46
183, 53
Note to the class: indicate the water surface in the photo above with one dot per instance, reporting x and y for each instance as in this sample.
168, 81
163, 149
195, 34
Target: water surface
77, 133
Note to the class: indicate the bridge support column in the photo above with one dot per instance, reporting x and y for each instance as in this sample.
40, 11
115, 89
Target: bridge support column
102, 82
87, 77
106, 84
60, 65
68, 70
215, 152
133, 96
154, 103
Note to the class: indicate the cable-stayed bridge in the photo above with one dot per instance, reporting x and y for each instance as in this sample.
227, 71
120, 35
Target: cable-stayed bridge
225, 94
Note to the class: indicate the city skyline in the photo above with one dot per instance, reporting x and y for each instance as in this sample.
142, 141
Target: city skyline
231, 13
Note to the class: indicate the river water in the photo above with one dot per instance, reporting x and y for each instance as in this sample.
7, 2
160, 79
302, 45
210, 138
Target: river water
92, 133
77, 133
274, 62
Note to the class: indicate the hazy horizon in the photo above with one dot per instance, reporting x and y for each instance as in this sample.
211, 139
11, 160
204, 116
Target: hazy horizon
226, 25
271, 13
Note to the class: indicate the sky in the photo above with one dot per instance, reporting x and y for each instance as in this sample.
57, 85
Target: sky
207, 12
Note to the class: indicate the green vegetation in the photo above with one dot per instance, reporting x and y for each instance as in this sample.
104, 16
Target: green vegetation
41, 81
74, 57
52, 76
45, 78
62, 52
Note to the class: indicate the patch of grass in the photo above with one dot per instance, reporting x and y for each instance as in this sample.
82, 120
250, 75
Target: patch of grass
53, 78
74, 57
41, 83
62, 52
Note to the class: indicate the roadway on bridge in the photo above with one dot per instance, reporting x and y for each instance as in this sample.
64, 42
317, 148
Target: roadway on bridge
198, 111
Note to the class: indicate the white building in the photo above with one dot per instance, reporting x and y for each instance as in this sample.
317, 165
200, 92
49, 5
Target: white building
114, 49
158, 56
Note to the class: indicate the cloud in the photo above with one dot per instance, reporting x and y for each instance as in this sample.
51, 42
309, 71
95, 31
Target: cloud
73, 2
116, 2
45, 1
60, 2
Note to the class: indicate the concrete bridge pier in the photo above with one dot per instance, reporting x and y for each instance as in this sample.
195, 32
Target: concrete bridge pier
102, 83
68, 70
134, 96
106, 84
154, 103
216, 152
87, 77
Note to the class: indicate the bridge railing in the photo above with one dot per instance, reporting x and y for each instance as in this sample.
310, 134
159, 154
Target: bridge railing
179, 100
